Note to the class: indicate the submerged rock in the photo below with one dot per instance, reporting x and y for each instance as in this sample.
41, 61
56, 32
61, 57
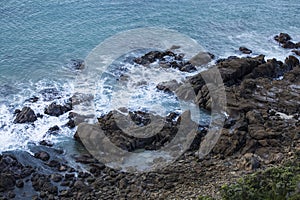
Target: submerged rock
44, 156
50, 94
77, 64
26, 115
245, 50
46, 143
33, 99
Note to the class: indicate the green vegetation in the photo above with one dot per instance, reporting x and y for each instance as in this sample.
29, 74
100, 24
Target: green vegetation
275, 183
205, 198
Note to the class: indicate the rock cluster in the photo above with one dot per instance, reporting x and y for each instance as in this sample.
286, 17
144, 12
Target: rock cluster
169, 59
284, 40
261, 129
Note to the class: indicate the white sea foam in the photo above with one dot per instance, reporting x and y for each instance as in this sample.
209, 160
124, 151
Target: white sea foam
18, 136
138, 90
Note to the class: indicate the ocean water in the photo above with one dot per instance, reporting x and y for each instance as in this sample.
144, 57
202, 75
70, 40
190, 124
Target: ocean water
39, 38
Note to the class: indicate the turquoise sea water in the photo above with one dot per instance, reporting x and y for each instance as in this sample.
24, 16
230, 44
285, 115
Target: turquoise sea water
39, 38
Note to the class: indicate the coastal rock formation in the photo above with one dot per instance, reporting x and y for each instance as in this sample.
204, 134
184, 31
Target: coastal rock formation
261, 129
111, 124
26, 115
263, 100
263, 111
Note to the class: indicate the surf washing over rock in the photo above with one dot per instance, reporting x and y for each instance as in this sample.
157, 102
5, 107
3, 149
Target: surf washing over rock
261, 128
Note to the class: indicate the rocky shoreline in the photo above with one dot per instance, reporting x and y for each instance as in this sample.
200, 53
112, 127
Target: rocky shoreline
262, 130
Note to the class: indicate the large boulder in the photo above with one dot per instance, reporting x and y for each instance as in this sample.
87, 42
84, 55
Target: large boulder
26, 115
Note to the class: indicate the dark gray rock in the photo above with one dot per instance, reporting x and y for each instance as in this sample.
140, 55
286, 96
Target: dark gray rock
289, 45
53, 130
282, 38
168, 59
245, 50
56, 110
77, 64
46, 143
33, 99
27, 115
7, 181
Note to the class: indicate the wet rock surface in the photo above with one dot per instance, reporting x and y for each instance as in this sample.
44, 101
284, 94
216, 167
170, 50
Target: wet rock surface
169, 59
245, 50
26, 115
56, 110
284, 40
